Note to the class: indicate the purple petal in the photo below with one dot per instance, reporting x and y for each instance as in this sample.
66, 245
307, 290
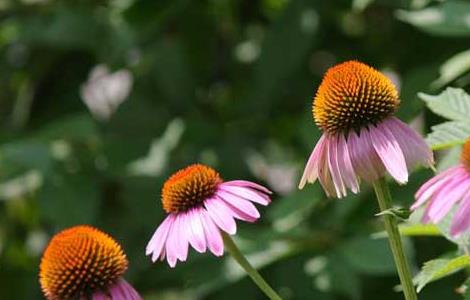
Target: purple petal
245, 206
221, 215
183, 236
348, 174
171, 249
461, 220
335, 168
445, 198
414, 148
312, 168
244, 183
123, 291
158, 240
196, 234
389, 152
237, 213
364, 159
98, 296
213, 237
247, 194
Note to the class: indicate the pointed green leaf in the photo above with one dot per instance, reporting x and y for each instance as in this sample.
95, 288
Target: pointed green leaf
448, 134
438, 268
453, 104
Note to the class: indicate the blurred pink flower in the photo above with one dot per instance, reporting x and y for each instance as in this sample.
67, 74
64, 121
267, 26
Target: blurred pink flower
447, 190
200, 205
361, 139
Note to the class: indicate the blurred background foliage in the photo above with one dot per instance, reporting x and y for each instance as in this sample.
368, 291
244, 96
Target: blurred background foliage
101, 100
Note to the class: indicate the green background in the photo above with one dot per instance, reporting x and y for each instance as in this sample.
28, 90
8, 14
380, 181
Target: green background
226, 83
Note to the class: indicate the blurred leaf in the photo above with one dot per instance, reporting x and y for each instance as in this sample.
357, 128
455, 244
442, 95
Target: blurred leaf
449, 18
438, 268
453, 104
371, 256
452, 68
399, 213
449, 159
420, 230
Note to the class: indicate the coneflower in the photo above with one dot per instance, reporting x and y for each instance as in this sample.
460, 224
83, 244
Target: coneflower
83, 262
202, 209
447, 190
362, 140
354, 108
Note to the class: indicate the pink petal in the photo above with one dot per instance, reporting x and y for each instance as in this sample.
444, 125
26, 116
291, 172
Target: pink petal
312, 167
434, 184
445, 198
183, 242
172, 250
414, 148
213, 237
243, 205
244, 183
123, 291
247, 194
364, 159
221, 215
389, 152
333, 160
347, 171
98, 296
158, 240
196, 234
461, 219
237, 213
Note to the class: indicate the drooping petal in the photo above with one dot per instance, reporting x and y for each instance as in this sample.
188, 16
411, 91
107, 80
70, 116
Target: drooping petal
312, 168
237, 213
362, 154
98, 296
425, 192
183, 242
333, 161
445, 198
196, 234
245, 183
461, 219
414, 148
247, 194
221, 215
122, 290
389, 151
172, 246
347, 171
157, 243
243, 205
213, 236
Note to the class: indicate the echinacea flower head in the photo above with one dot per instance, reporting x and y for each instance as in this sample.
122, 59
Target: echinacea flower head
447, 190
83, 262
361, 139
200, 205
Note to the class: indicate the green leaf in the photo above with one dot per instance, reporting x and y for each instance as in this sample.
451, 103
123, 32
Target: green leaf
400, 213
420, 230
448, 134
447, 19
453, 104
454, 67
438, 268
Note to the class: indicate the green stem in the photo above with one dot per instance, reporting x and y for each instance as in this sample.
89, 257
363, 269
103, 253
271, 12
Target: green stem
384, 198
252, 272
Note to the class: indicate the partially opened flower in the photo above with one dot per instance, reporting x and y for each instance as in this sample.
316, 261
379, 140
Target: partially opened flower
200, 206
447, 190
84, 263
354, 107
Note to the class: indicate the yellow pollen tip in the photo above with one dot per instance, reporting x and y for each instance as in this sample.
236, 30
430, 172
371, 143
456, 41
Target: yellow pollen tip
79, 261
353, 95
189, 187
465, 156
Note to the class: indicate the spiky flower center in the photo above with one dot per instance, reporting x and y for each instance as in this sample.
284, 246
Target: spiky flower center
189, 188
79, 261
353, 95
465, 156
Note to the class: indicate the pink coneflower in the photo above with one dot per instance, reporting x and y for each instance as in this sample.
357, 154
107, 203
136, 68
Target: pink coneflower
444, 191
361, 139
200, 206
87, 264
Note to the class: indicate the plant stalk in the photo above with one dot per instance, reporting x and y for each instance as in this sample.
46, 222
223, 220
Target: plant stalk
385, 202
252, 272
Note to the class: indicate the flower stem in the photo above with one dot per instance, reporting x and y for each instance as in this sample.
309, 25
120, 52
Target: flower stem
384, 198
252, 272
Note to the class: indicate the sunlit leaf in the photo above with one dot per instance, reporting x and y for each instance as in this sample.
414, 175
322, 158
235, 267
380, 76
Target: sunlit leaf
448, 19
438, 268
